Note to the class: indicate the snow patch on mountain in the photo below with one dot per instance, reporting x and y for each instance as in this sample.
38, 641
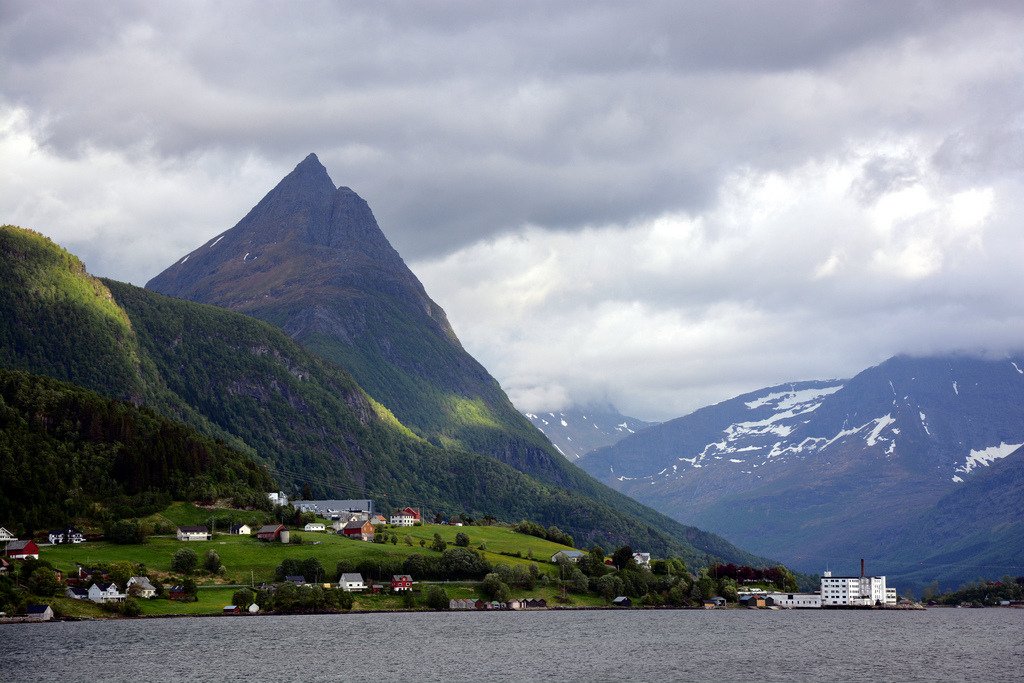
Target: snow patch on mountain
986, 456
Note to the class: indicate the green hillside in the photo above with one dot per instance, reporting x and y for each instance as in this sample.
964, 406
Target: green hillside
244, 381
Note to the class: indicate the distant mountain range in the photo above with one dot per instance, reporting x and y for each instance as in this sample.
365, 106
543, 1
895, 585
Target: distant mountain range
578, 430
902, 465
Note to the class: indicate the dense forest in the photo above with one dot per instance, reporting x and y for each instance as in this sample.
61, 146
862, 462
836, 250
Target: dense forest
69, 453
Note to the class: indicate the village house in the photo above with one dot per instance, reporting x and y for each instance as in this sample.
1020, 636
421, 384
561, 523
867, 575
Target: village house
193, 533
401, 582
270, 532
622, 601
642, 560
39, 612
278, 498
22, 550
353, 583
358, 530
105, 592
571, 555
857, 591
142, 587
76, 593
241, 530
177, 593
5, 566
6, 536
68, 535
231, 609
297, 579
714, 601
314, 526
378, 520
407, 516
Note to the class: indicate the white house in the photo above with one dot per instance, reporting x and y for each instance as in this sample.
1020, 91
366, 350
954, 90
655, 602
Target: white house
76, 593
39, 612
145, 588
642, 560
6, 535
353, 583
105, 592
241, 530
852, 591
571, 555
314, 526
402, 519
278, 498
794, 600
890, 596
193, 533
68, 535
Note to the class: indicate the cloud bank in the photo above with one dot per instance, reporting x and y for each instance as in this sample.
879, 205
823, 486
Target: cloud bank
660, 205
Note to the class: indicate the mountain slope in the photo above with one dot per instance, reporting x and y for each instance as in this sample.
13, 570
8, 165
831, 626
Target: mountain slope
312, 260
828, 472
243, 380
67, 452
578, 430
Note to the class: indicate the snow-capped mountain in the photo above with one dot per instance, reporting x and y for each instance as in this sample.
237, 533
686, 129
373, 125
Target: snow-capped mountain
578, 430
813, 472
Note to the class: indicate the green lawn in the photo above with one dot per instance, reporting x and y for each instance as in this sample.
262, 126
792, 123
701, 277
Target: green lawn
247, 559
188, 514
210, 601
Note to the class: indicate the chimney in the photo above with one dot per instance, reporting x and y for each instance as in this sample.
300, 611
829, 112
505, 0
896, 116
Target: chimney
862, 567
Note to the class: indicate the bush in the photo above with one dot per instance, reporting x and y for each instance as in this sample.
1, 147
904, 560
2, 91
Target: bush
408, 540
439, 543
243, 598
130, 608
437, 598
462, 540
346, 600
211, 562
43, 582
493, 588
184, 561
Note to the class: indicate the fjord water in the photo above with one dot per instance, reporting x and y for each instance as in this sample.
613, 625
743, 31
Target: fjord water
734, 645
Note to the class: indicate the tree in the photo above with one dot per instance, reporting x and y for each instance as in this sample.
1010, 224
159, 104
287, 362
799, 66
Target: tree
423, 542
493, 588
462, 540
184, 561
43, 582
211, 562
124, 532
243, 598
705, 586
407, 540
394, 539
345, 600
439, 543
437, 598
312, 570
608, 586
623, 557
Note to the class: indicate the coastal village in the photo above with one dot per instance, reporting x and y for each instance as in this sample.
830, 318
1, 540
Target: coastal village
357, 520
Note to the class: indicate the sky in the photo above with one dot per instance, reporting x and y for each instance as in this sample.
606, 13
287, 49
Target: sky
654, 204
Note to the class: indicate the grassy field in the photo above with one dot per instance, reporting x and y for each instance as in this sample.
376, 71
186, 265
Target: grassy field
188, 514
247, 559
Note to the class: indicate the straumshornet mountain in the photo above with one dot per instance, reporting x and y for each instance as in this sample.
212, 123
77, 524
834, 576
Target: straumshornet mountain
310, 259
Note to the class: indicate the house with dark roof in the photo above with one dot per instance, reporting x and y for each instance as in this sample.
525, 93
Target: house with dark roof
6, 536
141, 586
297, 579
241, 530
76, 593
193, 533
362, 531
106, 592
622, 601
39, 612
22, 550
67, 535
353, 583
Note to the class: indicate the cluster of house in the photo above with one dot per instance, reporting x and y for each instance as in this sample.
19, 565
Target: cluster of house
469, 603
101, 590
352, 582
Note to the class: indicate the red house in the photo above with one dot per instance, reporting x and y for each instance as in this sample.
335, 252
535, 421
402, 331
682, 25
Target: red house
359, 530
412, 512
401, 582
22, 550
270, 532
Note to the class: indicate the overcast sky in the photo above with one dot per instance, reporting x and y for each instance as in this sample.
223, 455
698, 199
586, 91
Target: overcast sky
656, 204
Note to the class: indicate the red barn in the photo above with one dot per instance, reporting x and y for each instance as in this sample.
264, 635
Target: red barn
412, 512
22, 550
360, 530
270, 532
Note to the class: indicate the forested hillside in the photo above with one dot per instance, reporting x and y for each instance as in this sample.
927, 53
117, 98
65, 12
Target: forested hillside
67, 452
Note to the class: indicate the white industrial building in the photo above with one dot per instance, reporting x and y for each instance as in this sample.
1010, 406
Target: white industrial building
794, 600
853, 591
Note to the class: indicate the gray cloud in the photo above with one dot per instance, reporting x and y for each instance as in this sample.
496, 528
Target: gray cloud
679, 147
